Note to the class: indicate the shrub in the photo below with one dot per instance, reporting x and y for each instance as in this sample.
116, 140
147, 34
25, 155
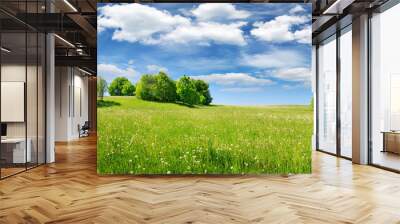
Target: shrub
186, 91
121, 86
165, 89
203, 89
145, 88
128, 89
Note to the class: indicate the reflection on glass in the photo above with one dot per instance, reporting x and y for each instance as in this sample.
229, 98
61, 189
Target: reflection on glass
346, 94
31, 101
22, 90
386, 89
13, 85
327, 96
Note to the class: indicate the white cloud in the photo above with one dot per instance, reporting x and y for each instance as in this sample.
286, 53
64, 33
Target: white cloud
204, 33
296, 9
130, 62
242, 89
300, 74
234, 79
156, 68
280, 29
137, 22
110, 71
274, 59
219, 12
304, 35
148, 25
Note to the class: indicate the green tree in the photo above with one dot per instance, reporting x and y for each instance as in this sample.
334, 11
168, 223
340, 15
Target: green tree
121, 86
128, 89
186, 91
145, 88
101, 87
165, 90
203, 89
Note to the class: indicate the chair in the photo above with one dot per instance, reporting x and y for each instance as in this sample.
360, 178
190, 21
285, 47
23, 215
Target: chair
84, 130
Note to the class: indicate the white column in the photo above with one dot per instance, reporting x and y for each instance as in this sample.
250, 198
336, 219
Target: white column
50, 103
360, 89
314, 91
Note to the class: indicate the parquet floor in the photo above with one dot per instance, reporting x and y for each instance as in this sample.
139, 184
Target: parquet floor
70, 191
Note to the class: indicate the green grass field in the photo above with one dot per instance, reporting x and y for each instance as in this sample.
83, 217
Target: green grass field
141, 137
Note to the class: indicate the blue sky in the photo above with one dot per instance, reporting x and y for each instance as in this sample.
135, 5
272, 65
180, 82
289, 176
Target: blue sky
250, 54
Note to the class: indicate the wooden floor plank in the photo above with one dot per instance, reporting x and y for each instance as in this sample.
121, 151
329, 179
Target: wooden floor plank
70, 191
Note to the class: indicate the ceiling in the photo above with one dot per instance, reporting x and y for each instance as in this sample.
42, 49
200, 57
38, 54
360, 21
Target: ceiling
73, 21
331, 15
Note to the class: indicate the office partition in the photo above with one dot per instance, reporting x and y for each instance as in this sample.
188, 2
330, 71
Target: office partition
22, 77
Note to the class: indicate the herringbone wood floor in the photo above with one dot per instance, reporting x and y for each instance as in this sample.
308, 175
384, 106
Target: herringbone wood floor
70, 191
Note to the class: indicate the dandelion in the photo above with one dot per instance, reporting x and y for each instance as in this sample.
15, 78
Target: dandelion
168, 172
130, 161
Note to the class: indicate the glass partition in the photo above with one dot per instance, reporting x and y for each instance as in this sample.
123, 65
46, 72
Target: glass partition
327, 96
346, 93
385, 89
13, 115
22, 88
31, 97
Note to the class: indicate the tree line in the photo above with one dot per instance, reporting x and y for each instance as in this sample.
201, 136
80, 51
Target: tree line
159, 87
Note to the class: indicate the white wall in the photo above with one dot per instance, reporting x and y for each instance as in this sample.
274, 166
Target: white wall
62, 82
33, 126
71, 87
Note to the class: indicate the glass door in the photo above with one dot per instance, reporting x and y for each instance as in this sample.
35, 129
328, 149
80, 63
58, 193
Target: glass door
385, 89
327, 96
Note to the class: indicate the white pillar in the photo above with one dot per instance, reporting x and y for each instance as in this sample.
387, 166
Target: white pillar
314, 91
50, 99
360, 89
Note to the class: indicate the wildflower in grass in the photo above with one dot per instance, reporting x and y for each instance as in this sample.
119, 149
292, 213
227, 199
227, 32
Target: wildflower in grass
130, 161
168, 172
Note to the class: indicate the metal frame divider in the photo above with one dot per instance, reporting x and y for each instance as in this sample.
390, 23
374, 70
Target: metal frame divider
338, 76
316, 100
0, 92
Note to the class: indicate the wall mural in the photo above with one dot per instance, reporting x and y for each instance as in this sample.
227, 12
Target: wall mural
204, 88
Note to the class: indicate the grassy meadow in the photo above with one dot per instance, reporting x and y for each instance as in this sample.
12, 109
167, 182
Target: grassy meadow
142, 137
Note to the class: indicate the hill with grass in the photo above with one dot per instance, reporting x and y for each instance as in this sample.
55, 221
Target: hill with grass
143, 137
